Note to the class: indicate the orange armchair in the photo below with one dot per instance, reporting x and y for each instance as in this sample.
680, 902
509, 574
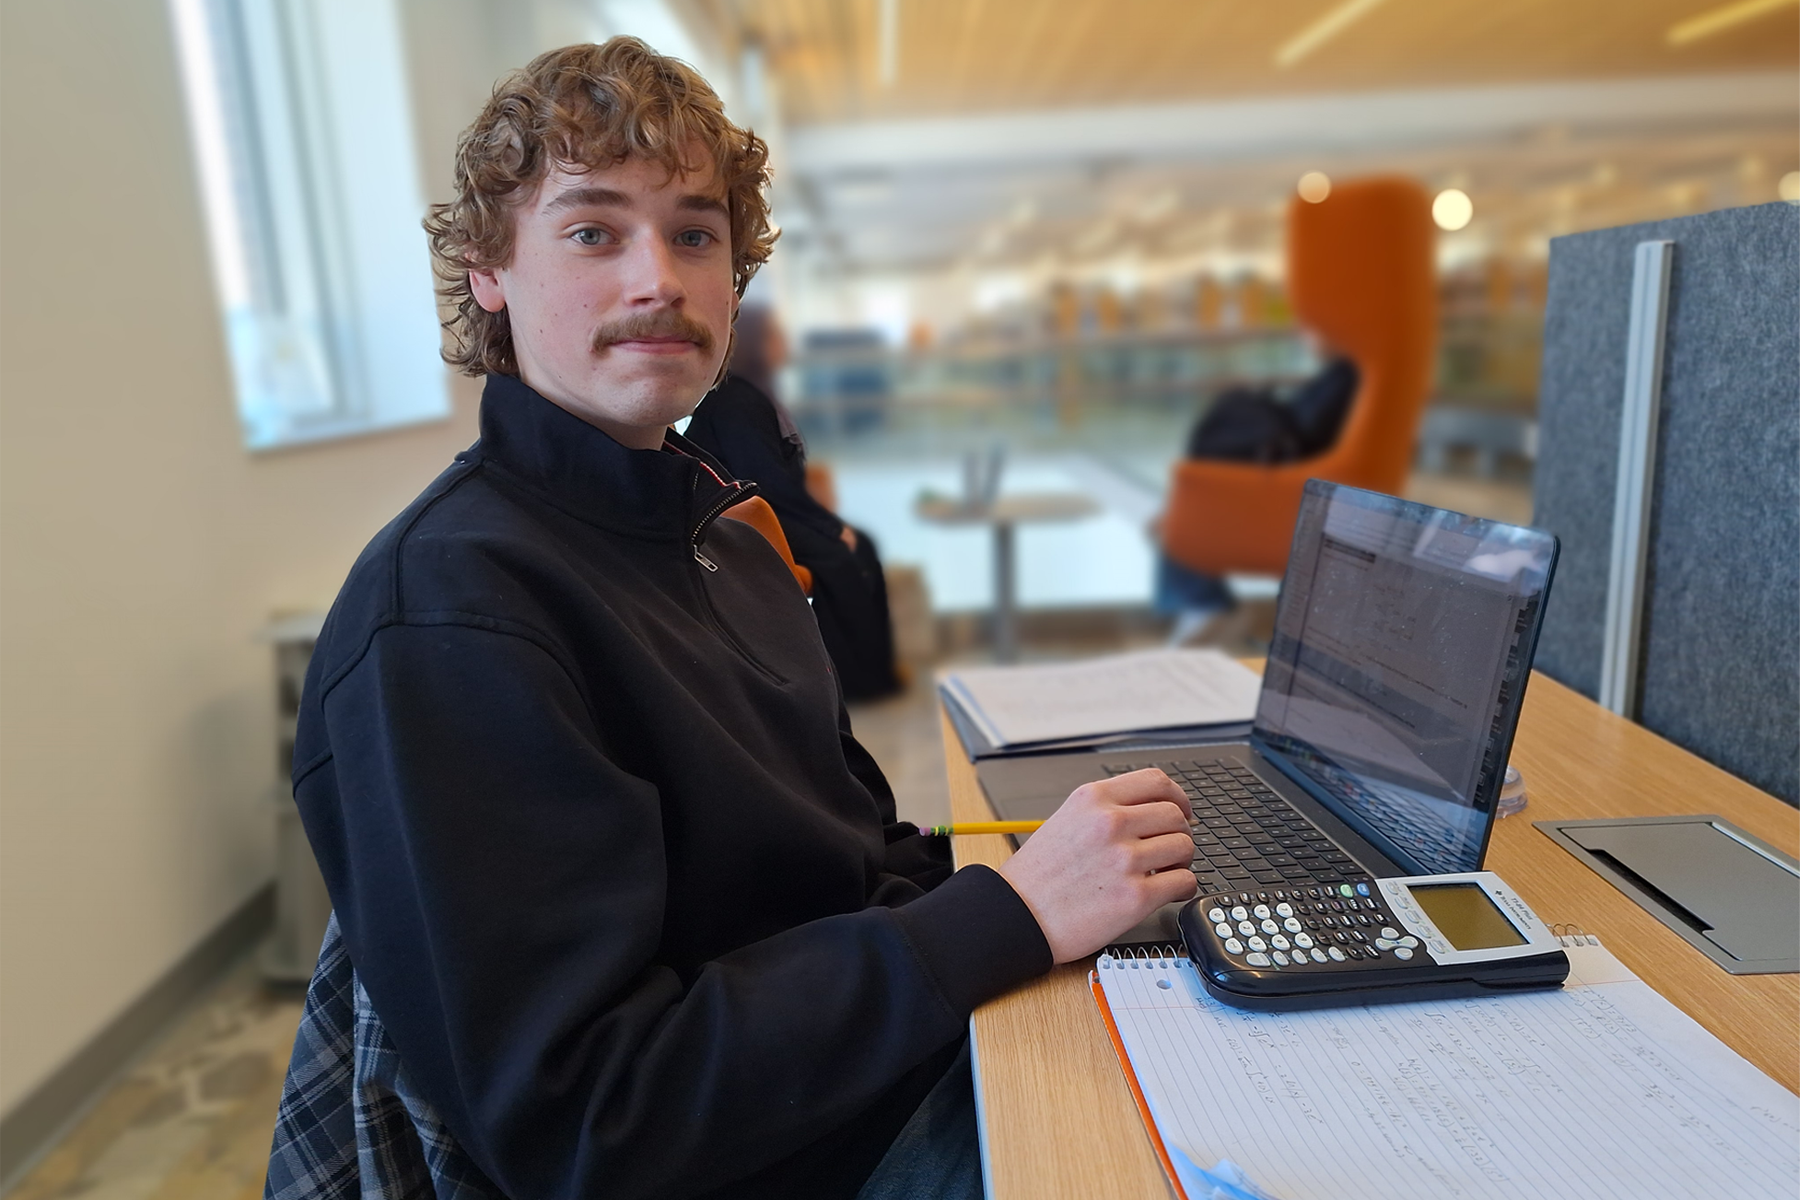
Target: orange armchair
1361, 273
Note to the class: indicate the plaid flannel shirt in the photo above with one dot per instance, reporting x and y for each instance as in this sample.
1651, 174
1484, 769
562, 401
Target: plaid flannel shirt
352, 1126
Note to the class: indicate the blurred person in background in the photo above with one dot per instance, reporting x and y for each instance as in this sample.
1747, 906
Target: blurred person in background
744, 424
1261, 425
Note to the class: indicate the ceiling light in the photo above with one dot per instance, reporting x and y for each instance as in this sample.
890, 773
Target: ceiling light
1718, 20
1323, 30
1452, 209
1314, 186
1789, 187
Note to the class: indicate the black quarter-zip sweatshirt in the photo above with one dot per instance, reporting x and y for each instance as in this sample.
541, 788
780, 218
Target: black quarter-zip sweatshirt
630, 900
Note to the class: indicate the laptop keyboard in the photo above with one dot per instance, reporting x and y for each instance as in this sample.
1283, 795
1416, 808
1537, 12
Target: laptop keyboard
1247, 836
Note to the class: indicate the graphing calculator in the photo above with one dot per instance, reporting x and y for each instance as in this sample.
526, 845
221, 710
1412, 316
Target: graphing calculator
1422, 937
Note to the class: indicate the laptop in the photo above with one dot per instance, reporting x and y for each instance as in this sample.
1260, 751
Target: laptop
1403, 641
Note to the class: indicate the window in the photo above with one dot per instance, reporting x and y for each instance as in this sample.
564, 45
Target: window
304, 143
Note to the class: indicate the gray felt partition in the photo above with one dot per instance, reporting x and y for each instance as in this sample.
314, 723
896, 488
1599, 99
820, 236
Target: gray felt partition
1720, 667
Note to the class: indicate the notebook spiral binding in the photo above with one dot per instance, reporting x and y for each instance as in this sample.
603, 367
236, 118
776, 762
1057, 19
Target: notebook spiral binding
1134, 955
1569, 935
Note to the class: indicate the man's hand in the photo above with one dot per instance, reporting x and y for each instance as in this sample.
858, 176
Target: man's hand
1114, 853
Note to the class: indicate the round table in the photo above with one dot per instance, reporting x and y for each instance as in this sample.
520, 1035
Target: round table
1002, 514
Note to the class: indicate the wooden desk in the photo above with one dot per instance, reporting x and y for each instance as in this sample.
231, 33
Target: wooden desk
1057, 1119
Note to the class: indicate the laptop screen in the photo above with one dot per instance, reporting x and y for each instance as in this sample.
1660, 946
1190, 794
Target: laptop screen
1403, 639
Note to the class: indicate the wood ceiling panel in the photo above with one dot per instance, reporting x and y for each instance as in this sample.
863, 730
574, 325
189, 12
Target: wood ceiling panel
967, 56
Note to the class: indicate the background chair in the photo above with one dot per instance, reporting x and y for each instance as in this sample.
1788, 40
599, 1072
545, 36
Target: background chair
1361, 273
758, 515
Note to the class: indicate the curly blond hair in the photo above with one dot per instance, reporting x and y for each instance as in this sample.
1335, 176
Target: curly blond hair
593, 107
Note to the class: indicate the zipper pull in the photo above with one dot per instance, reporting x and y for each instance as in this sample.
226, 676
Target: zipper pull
704, 561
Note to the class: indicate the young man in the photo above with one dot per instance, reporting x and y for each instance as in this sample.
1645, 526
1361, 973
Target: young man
621, 907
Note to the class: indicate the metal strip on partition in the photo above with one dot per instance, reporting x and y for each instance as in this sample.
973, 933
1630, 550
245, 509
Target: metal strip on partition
1637, 476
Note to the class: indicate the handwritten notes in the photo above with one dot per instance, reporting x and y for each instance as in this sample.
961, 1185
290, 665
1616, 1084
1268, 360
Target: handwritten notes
1602, 1089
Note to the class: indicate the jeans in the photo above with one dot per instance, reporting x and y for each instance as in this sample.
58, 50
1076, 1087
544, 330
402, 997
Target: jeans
1183, 589
938, 1154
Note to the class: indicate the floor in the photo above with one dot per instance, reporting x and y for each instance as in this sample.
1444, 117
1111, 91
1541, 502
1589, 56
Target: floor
192, 1120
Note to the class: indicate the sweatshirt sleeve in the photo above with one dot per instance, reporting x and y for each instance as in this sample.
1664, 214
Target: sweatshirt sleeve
500, 884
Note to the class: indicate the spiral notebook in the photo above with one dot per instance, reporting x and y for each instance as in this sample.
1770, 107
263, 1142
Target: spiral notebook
1600, 1090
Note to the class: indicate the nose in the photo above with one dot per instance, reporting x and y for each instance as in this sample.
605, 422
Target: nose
649, 271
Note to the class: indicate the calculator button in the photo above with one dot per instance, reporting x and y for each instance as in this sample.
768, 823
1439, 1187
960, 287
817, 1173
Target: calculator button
1246, 927
1409, 941
1382, 943
1284, 910
1362, 889
1257, 960
1261, 911
1216, 916
1388, 931
1270, 927
1234, 946
1439, 946
1240, 913
1279, 942
1257, 943
1292, 925
1281, 960
1345, 889
1223, 930
1402, 952
1336, 954
1303, 940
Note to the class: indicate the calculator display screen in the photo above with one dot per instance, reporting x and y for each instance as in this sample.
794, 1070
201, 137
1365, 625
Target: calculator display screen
1466, 915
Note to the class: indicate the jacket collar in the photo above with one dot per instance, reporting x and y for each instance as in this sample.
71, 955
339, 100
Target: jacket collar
674, 492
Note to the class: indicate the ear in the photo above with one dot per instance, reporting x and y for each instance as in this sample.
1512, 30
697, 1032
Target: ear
489, 290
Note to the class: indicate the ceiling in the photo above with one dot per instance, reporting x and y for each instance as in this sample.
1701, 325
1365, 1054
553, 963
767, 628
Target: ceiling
831, 62
1069, 139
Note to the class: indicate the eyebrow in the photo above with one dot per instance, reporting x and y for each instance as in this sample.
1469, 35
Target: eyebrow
602, 197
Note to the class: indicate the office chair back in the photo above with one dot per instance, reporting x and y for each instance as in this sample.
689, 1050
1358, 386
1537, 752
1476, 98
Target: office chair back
758, 515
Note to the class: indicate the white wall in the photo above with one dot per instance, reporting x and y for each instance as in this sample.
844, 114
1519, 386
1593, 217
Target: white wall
140, 546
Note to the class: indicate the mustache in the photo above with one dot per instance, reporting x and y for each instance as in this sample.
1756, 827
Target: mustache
668, 323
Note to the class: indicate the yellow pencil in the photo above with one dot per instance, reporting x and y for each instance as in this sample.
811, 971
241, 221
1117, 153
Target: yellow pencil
970, 827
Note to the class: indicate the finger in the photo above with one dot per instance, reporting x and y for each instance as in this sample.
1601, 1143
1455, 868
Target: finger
1162, 852
1171, 886
1141, 787
1149, 820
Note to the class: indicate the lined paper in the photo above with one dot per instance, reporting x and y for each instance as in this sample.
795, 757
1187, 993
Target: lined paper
1602, 1089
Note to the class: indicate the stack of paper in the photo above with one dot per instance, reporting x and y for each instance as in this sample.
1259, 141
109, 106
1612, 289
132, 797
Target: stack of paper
1041, 706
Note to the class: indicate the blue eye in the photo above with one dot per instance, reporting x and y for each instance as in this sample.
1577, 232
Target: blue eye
693, 238
589, 237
